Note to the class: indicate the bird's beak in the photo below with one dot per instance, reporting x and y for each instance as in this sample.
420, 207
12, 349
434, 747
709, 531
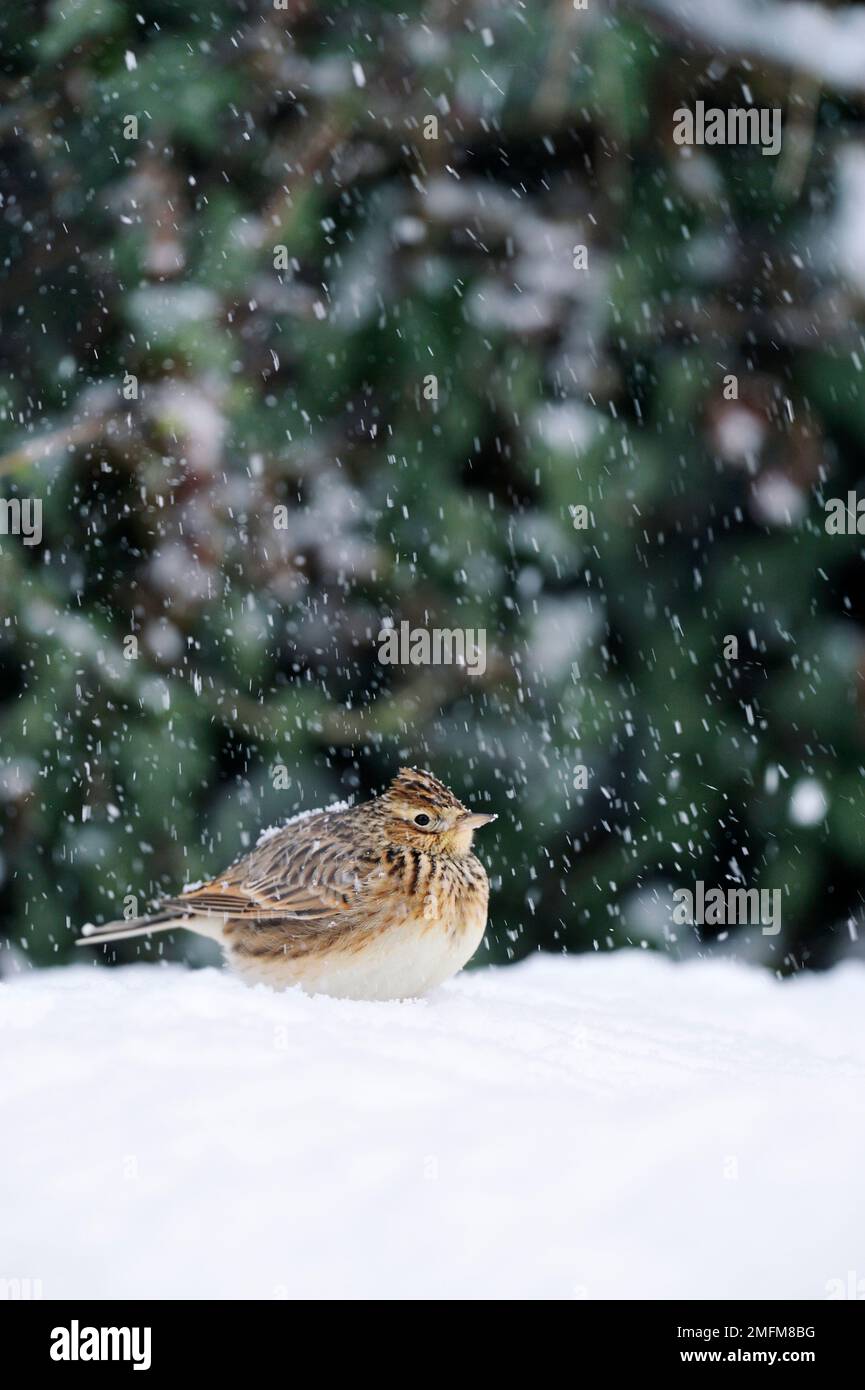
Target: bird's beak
473, 820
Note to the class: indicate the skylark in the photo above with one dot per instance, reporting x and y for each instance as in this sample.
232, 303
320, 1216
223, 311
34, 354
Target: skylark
379, 901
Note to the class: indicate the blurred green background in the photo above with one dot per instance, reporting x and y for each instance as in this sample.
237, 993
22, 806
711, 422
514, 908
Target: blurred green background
405, 256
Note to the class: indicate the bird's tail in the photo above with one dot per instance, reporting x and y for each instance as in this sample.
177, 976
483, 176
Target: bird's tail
135, 926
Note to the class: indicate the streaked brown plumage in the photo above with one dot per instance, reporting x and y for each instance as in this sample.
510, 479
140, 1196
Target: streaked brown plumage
379, 901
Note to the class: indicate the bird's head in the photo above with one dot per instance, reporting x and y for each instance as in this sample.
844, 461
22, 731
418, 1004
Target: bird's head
421, 812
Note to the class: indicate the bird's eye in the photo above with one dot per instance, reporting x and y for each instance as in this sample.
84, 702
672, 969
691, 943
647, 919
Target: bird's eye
421, 819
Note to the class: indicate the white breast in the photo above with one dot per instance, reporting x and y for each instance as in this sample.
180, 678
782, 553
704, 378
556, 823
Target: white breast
400, 963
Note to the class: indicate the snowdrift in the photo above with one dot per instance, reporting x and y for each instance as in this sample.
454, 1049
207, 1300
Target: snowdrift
606, 1126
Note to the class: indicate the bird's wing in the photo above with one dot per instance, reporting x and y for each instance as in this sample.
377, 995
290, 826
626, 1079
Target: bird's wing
302, 874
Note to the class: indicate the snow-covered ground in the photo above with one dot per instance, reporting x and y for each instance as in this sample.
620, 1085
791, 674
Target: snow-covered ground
569, 1128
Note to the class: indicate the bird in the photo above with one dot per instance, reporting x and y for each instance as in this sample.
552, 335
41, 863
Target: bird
376, 901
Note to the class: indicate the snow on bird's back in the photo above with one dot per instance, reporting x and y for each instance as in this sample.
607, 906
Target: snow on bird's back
272, 830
